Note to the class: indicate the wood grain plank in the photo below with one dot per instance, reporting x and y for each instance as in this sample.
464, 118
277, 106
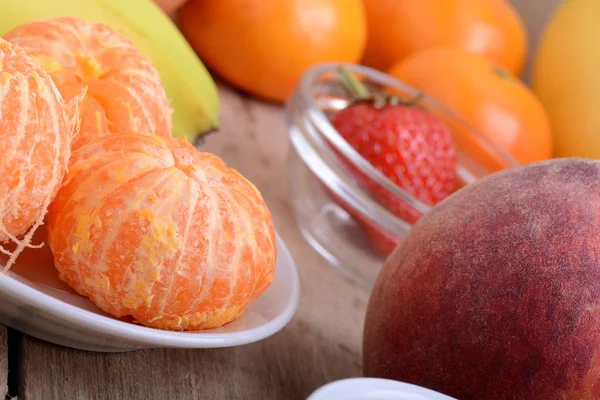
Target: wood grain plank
3, 361
322, 343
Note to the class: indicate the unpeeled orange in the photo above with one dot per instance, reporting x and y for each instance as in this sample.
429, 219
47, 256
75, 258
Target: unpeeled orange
263, 47
489, 28
154, 229
124, 90
36, 128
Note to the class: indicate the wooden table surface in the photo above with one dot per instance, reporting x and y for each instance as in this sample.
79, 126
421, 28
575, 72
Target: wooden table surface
322, 343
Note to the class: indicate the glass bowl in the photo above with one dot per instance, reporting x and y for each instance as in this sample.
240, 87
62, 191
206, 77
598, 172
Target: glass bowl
338, 197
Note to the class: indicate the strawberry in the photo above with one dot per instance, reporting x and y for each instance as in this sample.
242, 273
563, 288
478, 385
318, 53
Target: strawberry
407, 143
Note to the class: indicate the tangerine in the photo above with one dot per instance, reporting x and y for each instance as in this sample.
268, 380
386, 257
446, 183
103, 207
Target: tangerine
263, 47
153, 229
124, 90
499, 105
490, 28
36, 128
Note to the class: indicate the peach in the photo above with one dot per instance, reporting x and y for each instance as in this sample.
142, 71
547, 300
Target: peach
495, 293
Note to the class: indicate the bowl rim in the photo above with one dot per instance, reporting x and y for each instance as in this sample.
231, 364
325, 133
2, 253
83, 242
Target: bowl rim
151, 337
356, 196
366, 388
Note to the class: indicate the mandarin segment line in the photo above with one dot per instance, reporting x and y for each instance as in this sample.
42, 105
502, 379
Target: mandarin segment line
193, 202
150, 253
129, 209
235, 263
92, 179
209, 278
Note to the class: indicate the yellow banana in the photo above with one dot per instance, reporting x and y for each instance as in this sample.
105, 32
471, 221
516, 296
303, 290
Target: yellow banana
188, 84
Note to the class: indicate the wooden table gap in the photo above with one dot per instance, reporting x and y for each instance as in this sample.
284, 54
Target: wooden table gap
14, 343
3, 361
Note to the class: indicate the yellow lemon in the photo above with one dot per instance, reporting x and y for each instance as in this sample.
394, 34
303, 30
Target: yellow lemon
566, 77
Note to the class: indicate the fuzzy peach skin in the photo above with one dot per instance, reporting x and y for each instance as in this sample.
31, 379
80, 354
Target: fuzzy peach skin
153, 229
495, 293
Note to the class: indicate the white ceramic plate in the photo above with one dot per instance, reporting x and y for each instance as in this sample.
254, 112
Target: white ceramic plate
34, 301
374, 389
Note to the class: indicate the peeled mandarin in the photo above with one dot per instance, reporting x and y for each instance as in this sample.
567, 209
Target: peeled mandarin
153, 229
124, 90
35, 140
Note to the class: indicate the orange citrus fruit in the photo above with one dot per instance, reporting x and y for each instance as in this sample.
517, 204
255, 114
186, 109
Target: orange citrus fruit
153, 229
124, 90
35, 137
499, 105
263, 47
490, 28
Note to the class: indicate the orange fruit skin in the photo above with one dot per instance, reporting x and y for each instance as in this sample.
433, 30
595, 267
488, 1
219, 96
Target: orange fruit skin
497, 104
124, 90
153, 229
490, 28
35, 138
263, 47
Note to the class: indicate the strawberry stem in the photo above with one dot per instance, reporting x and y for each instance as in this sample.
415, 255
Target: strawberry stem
360, 93
413, 101
356, 88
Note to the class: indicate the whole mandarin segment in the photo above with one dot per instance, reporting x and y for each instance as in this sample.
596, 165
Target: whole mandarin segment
36, 129
124, 92
152, 228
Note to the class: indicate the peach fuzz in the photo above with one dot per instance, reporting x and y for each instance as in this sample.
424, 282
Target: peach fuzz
495, 293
